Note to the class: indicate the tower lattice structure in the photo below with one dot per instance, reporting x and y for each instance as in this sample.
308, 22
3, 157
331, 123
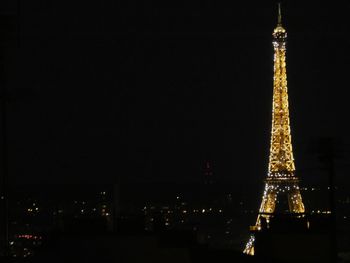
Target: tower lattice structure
281, 180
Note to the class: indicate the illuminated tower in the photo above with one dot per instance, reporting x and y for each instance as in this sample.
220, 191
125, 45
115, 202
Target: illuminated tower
281, 183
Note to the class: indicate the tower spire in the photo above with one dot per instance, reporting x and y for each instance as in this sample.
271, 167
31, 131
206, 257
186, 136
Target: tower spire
279, 22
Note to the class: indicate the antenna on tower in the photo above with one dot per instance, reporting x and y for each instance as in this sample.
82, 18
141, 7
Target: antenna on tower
279, 15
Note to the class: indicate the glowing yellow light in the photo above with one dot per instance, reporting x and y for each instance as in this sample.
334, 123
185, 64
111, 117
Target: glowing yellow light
281, 169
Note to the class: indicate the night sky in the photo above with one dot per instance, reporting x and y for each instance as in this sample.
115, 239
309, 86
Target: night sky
147, 92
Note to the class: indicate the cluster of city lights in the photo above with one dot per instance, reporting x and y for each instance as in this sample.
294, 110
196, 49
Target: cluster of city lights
28, 236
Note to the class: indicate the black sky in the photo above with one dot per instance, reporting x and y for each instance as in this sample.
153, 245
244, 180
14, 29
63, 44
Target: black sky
146, 92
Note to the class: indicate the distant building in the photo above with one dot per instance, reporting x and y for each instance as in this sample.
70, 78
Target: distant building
208, 173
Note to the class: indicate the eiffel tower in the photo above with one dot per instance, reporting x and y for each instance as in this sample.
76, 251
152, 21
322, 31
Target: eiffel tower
281, 192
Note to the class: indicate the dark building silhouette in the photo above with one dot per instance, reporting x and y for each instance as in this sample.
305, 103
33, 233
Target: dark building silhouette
292, 238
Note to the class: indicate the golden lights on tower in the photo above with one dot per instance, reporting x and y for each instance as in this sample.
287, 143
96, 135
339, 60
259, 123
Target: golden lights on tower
281, 177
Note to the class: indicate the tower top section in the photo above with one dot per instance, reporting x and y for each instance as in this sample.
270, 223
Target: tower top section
281, 164
279, 33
